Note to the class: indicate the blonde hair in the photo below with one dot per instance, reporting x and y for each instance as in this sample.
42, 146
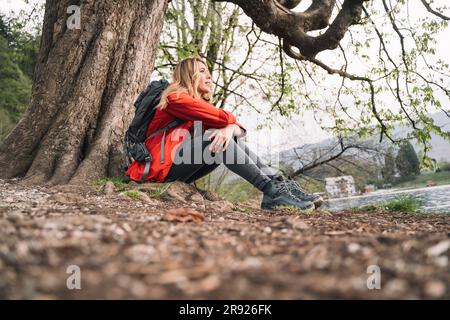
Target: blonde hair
186, 78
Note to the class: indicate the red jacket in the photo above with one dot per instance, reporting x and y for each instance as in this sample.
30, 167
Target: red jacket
184, 107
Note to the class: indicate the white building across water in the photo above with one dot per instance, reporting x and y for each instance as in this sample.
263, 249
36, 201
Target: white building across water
338, 187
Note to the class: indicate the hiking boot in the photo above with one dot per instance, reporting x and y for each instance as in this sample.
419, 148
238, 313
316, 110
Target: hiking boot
299, 193
277, 194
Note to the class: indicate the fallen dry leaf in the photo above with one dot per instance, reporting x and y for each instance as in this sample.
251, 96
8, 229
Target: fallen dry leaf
184, 215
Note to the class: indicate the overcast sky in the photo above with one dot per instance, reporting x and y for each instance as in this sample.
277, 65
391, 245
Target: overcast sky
14, 5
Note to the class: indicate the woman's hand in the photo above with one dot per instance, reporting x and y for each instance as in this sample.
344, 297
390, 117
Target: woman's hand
221, 138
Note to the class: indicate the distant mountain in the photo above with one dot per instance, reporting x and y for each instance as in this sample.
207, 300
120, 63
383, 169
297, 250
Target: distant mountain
440, 147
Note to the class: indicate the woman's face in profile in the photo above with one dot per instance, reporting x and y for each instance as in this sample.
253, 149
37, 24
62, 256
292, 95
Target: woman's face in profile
205, 83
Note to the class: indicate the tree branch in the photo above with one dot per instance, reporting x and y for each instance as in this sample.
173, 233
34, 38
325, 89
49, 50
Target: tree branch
291, 26
431, 10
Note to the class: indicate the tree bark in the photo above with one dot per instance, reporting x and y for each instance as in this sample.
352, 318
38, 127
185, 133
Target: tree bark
85, 83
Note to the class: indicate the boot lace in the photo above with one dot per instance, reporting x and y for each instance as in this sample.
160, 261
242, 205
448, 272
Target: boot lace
294, 187
282, 187
290, 185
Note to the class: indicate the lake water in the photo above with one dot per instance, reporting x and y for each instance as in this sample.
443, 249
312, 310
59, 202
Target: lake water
434, 199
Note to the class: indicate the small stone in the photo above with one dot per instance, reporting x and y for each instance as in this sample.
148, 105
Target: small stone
119, 231
109, 188
435, 289
409, 245
297, 224
122, 214
138, 289
396, 287
251, 262
268, 230
353, 247
9, 199
438, 249
441, 262
22, 249
196, 197
14, 217
336, 233
126, 227
175, 195
142, 253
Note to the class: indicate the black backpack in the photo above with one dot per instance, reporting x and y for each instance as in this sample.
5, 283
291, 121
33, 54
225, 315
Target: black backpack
145, 104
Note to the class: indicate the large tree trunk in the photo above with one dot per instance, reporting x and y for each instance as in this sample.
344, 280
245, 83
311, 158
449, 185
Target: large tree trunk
84, 86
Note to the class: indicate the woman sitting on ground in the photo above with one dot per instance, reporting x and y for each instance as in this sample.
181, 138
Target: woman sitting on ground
208, 137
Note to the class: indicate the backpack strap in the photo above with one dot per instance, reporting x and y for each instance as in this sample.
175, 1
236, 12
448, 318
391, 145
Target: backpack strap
162, 145
174, 123
148, 161
146, 169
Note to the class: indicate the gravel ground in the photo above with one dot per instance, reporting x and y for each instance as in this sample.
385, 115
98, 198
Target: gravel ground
128, 248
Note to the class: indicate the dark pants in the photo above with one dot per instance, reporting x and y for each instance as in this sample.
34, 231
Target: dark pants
193, 160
